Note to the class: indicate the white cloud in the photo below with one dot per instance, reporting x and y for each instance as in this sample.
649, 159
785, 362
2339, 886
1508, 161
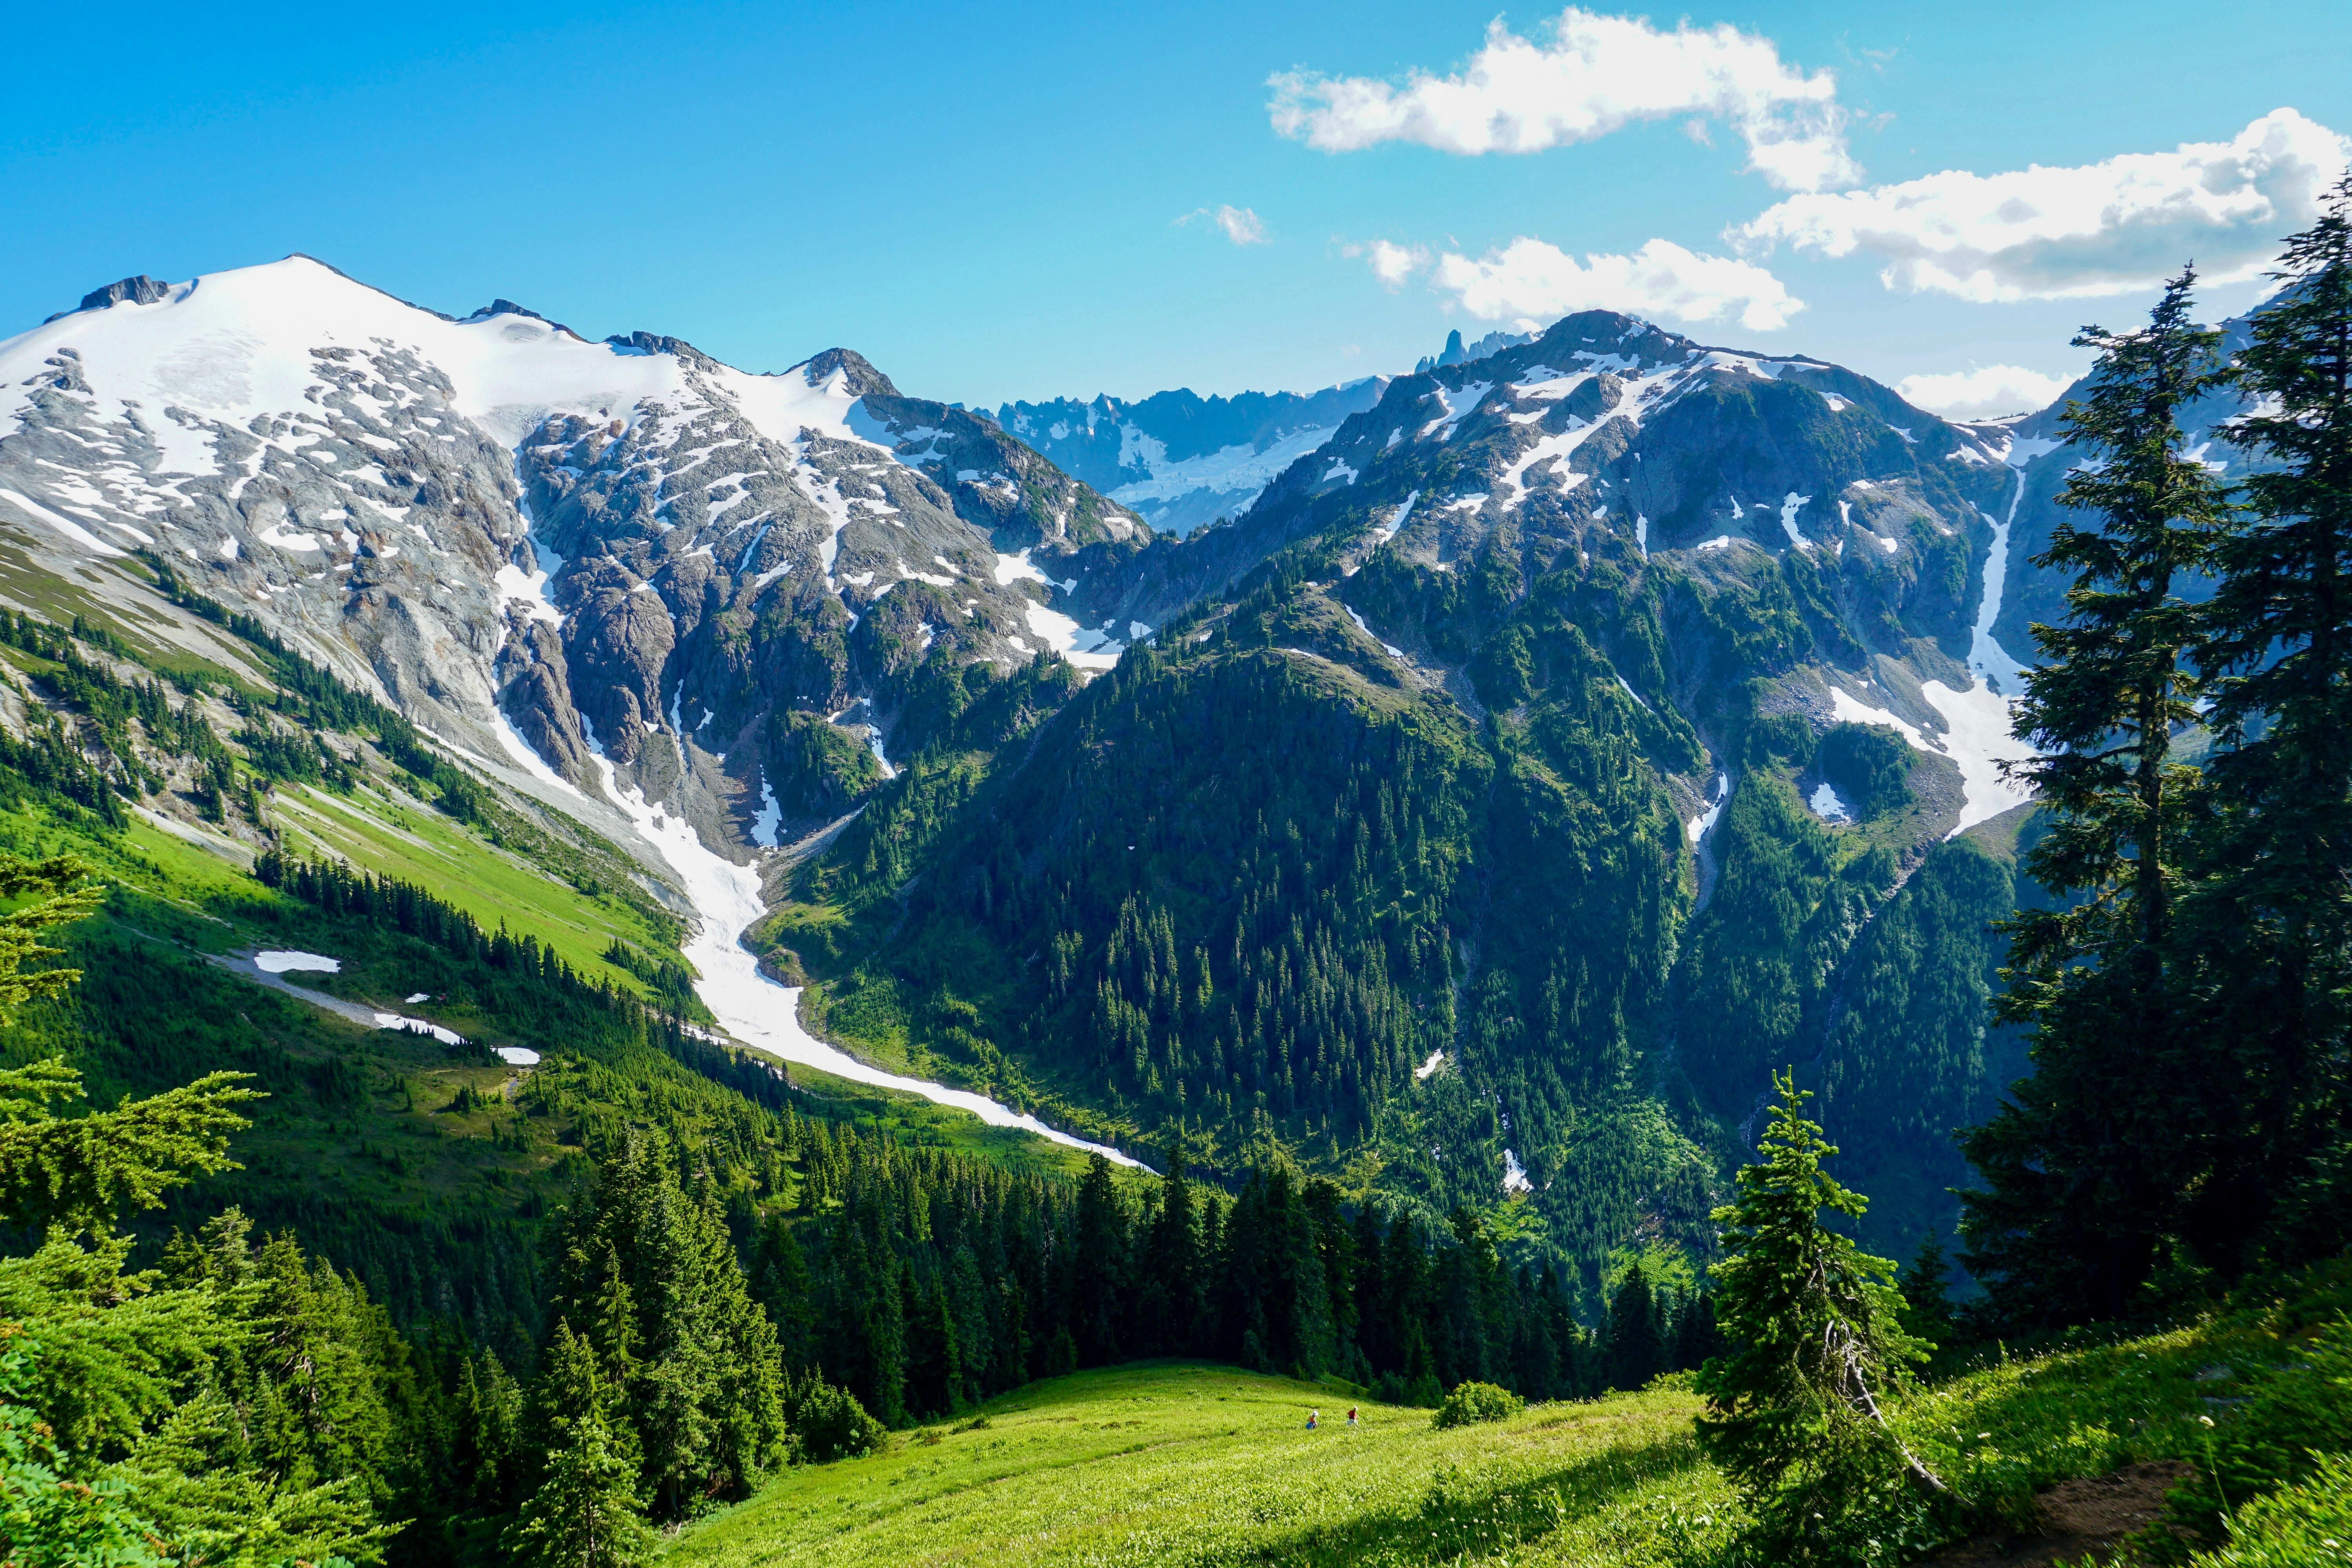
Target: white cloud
1530, 280
1391, 263
1595, 74
1982, 391
1240, 225
2100, 228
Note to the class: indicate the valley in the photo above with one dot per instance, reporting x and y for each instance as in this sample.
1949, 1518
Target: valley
820, 985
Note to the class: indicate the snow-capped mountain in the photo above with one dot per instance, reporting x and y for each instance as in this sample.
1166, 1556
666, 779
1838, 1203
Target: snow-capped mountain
1609, 439
549, 550
524, 539
1182, 460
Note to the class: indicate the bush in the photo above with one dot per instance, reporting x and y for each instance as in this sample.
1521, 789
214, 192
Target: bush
1471, 1402
830, 1423
2289, 1416
2301, 1527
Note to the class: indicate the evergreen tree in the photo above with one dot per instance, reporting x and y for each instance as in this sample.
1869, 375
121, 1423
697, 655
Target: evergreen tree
1097, 1267
2081, 1167
650, 1267
54, 886
934, 1364
1925, 1287
2273, 906
1792, 1411
1170, 1275
1632, 1345
584, 1513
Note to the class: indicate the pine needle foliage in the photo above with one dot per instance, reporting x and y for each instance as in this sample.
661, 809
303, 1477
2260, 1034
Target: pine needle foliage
2077, 1171
1793, 1411
2272, 910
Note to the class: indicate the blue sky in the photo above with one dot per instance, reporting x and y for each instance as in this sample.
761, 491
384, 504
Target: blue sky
986, 200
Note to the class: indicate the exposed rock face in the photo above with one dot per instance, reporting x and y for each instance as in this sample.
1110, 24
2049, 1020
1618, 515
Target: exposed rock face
492, 518
1608, 436
628, 547
140, 290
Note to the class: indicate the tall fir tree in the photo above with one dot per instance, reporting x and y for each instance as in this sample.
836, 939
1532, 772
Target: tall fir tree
1632, 1343
2271, 904
2080, 1169
583, 1514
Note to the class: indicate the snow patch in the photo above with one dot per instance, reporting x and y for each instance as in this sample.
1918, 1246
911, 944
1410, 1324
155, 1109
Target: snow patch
285, 961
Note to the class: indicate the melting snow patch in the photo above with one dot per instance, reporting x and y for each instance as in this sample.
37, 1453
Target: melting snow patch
1977, 739
1397, 518
418, 1026
70, 529
1011, 569
519, 1056
284, 961
1699, 826
1352, 614
1789, 507
754, 1008
763, 827
1437, 1058
413, 1001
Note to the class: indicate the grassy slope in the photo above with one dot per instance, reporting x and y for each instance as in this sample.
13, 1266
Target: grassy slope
1180, 1463
1167, 1464
384, 831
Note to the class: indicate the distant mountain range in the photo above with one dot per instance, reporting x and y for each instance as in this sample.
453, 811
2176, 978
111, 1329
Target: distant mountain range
1182, 460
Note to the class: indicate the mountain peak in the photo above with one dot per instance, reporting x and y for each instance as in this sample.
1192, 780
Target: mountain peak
859, 376
1458, 352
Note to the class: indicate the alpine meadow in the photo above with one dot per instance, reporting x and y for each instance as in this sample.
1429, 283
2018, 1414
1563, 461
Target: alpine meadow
1611, 950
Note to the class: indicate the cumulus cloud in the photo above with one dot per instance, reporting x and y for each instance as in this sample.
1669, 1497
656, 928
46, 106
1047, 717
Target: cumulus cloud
1532, 281
2109, 227
1239, 225
1982, 391
1595, 74
1391, 263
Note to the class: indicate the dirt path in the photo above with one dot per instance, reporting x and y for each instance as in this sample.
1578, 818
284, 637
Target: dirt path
2082, 1522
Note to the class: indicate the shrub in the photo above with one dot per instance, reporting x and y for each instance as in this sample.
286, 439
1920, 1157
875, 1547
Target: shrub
2301, 1527
830, 1423
1471, 1402
2290, 1415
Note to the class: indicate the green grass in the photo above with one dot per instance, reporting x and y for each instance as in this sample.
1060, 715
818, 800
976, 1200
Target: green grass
393, 836
1179, 1463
